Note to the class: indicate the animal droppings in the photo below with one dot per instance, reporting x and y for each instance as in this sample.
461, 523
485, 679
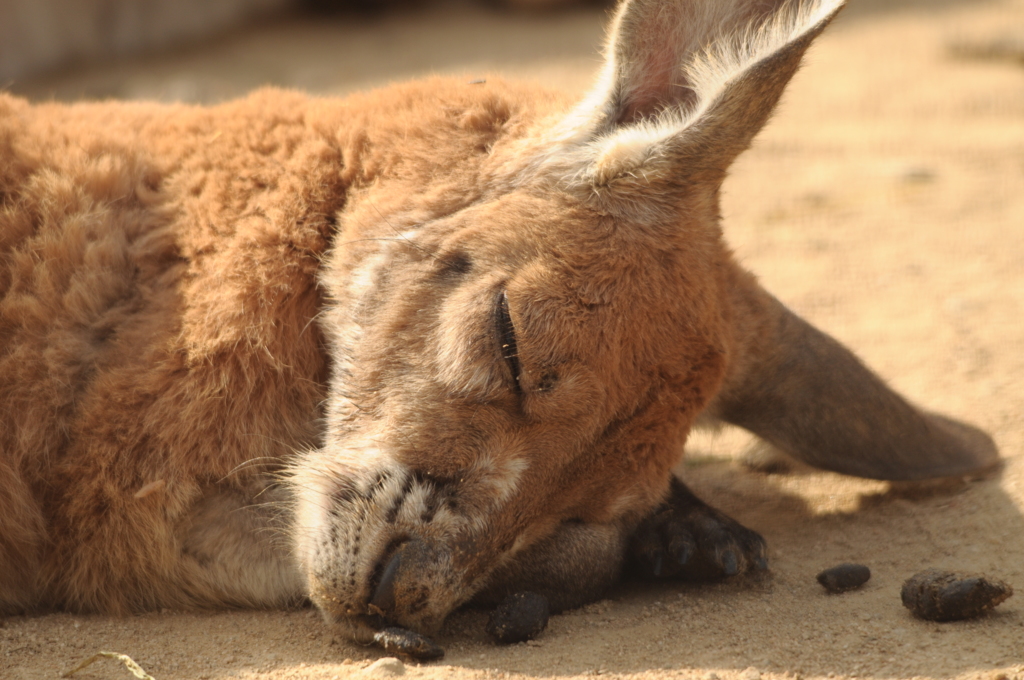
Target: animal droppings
408, 643
521, 617
937, 595
843, 577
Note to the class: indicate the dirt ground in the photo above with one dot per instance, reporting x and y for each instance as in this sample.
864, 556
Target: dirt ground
884, 202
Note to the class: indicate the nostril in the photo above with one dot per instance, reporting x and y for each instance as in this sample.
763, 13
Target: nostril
382, 602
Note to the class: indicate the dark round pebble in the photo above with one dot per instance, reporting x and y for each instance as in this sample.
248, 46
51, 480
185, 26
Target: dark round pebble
407, 643
938, 595
520, 617
844, 577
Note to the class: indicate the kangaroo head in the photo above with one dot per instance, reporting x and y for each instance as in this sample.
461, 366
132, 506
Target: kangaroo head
526, 338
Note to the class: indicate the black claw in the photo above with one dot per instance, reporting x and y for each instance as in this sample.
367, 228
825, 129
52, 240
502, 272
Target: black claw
682, 554
761, 564
730, 565
658, 563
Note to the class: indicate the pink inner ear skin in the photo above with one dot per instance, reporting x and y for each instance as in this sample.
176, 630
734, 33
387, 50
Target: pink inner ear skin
653, 42
655, 91
653, 52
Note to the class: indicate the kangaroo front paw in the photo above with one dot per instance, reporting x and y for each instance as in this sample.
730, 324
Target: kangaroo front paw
687, 539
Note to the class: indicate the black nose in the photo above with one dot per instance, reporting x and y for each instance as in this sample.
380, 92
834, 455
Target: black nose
382, 602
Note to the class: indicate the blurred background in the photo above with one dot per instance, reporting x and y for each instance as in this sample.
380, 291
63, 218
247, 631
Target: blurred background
206, 50
209, 50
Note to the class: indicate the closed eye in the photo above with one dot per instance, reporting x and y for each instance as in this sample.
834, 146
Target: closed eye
507, 338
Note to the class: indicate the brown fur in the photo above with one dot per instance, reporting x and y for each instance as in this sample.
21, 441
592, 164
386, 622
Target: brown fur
251, 353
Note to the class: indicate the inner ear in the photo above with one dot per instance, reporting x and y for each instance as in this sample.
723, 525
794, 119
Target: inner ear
652, 41
650, 79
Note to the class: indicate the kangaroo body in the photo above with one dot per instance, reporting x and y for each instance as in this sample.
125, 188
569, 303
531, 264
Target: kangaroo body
437, 342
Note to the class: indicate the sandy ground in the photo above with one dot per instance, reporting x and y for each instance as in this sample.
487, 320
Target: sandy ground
885, 203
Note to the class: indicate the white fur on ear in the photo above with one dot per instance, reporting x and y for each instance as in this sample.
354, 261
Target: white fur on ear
626, 152
711, 70
669, 68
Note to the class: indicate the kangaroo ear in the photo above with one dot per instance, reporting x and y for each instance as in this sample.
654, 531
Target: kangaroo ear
688, 83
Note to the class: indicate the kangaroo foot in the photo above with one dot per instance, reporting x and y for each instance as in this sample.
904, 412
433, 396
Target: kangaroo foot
688, 539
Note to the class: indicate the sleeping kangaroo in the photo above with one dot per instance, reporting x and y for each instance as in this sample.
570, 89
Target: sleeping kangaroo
392, 353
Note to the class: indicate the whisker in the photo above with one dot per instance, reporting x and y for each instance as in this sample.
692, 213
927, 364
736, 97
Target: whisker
400, 234
245, 464
310, 322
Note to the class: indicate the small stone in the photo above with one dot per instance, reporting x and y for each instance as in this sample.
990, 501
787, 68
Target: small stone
750, 674
937, 595
844, 577
710, 675
521, 617
388, 667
